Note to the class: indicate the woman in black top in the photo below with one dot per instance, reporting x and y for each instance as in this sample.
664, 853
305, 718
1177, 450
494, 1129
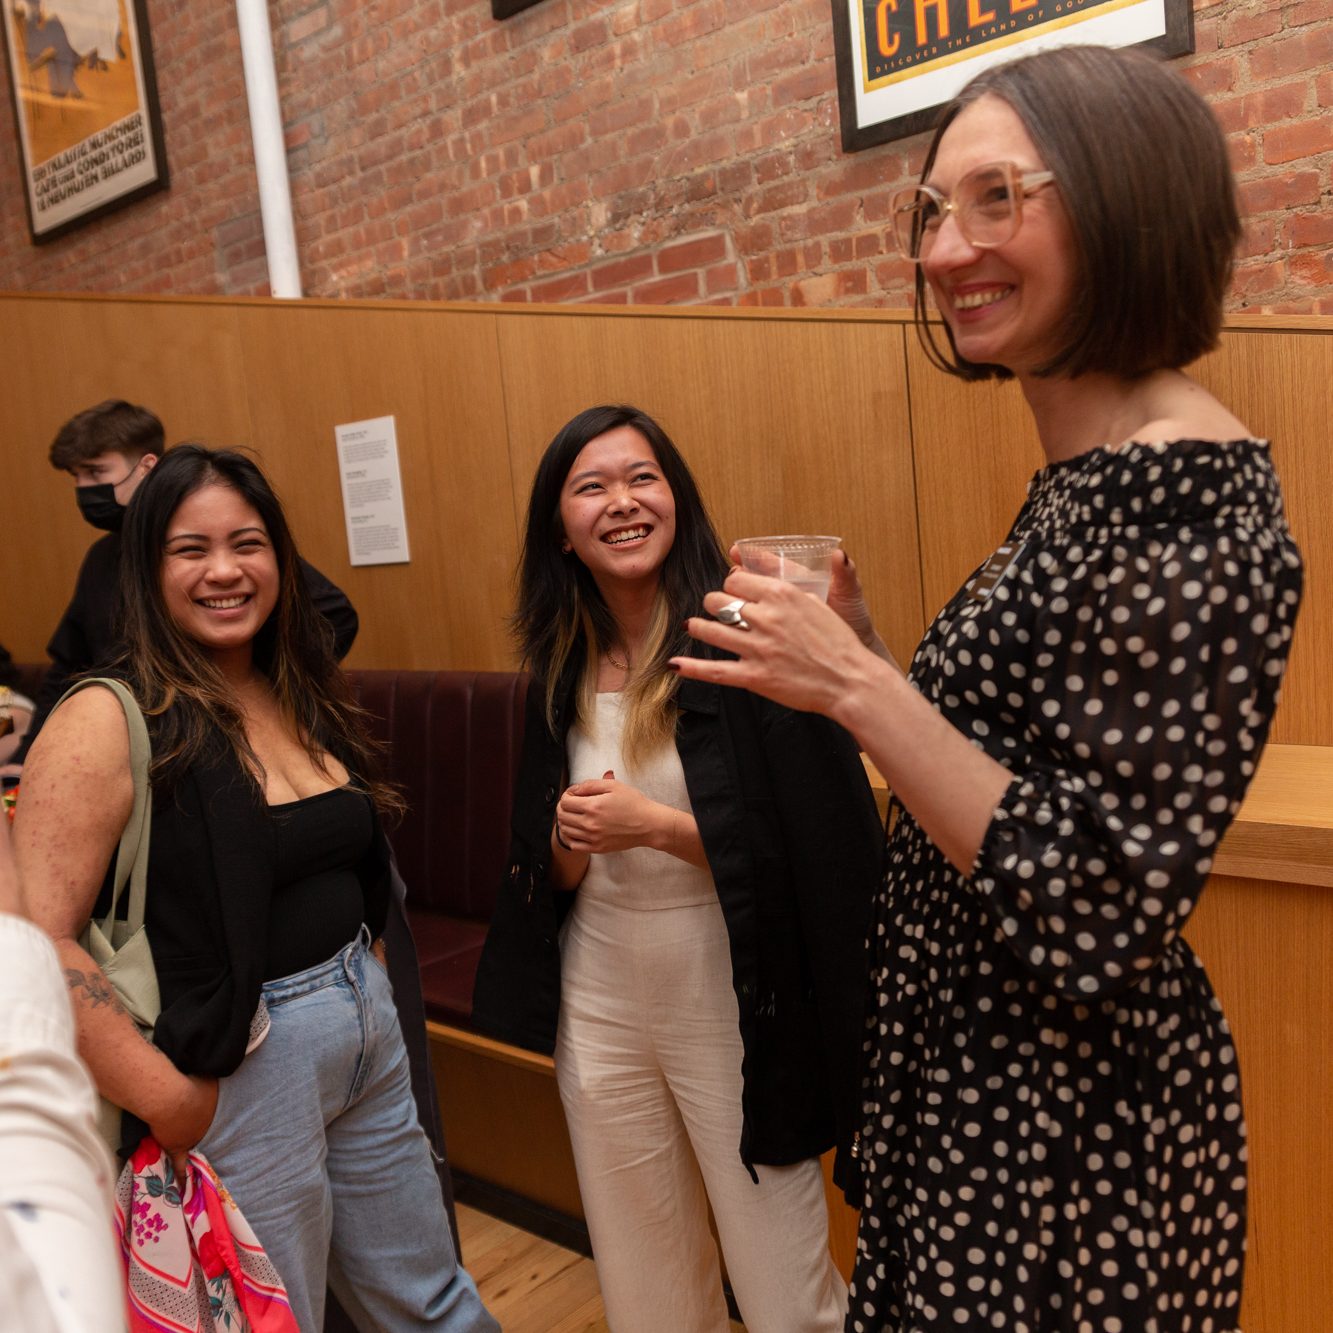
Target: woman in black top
683, 922
277, 1053
1052, 1122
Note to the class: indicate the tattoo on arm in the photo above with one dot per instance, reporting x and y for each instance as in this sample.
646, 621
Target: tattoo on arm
95, 988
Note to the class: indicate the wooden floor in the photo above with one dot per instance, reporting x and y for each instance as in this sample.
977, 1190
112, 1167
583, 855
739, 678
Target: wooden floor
531, 1285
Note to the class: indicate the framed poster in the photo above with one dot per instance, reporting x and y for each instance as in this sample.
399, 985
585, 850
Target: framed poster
899, 61
85, 103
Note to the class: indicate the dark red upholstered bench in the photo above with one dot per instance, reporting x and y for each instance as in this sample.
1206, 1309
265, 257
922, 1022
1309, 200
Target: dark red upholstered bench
454, 739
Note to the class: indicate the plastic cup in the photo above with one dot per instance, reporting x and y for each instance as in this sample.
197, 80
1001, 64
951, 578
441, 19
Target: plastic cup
804, 561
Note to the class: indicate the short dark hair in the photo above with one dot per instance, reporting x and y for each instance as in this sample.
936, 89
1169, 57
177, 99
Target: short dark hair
113, 426
1142, 169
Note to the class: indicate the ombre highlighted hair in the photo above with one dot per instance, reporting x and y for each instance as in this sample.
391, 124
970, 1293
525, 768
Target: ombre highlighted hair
562, 624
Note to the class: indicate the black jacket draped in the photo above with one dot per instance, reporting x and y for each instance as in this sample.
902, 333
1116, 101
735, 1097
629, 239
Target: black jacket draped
795, 848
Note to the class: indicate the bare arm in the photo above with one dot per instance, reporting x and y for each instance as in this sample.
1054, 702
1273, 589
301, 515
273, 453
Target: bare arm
802, 654
77, 796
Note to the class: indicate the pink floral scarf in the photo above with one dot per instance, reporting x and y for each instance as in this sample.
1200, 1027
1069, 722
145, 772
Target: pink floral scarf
192, 1263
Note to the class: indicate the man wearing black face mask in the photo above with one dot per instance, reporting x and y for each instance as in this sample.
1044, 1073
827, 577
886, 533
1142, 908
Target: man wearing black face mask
109, 450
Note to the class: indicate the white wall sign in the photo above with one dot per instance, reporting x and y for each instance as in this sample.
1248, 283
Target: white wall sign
372, 489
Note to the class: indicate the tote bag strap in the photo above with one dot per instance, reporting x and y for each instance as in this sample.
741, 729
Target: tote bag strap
132, 854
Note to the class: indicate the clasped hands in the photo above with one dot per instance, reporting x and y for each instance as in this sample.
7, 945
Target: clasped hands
602, 815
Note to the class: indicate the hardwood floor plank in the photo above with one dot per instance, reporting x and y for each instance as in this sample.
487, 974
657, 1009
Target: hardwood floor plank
529, 1284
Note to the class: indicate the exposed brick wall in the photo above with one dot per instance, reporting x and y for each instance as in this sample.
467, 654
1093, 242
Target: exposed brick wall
645, 151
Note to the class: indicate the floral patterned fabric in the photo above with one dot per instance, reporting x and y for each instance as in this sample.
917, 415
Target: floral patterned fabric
192, 1263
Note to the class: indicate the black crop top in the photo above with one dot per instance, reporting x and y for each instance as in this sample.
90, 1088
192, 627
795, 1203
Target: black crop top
319, 901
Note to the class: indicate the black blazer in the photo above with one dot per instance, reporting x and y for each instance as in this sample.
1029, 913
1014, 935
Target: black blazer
795, 847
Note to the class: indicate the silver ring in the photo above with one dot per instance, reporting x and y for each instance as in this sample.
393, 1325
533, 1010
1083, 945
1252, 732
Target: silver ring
730, 614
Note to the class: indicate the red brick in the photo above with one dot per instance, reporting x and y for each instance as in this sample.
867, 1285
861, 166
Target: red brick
1257, 278
1315, 269
721, 278
1306, 138
1290, 189
694, 253
560, 289
621, 272
1298, 54
1253, 26
436, 153
1308, 229
667, 291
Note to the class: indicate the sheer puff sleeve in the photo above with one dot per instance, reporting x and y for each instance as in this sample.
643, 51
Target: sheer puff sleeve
1154, 672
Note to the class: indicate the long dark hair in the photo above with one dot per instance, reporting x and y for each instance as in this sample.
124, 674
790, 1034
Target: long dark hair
181, 689
1143, 173
562, 623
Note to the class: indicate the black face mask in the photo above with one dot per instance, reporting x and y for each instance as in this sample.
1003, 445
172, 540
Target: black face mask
99, 506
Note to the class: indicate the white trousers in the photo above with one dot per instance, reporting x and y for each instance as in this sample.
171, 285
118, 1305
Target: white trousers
648, 1060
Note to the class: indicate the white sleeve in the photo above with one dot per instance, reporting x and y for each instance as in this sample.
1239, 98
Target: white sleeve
59, 1268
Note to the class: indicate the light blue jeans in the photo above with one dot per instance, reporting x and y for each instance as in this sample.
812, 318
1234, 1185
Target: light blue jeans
316, 1138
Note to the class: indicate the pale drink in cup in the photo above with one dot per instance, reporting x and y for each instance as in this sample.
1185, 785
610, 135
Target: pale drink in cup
804, 561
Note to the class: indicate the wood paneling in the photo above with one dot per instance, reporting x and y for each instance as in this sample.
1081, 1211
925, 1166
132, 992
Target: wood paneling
503, 1121
1281, 386
1267, 948
788, 426
975, 448
791, 421
64, 355
310, 368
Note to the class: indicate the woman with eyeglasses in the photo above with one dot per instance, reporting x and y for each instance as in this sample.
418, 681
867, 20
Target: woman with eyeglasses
1052, 1134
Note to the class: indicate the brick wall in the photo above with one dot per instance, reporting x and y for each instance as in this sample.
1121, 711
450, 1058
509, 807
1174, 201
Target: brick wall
645, 151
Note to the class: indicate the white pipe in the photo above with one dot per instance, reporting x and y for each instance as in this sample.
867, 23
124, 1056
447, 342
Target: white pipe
275, 190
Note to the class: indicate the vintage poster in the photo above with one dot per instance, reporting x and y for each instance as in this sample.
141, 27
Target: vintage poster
85, 103
899, 60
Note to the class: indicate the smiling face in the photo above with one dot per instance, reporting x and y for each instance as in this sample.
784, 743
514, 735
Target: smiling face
618, 512
1004, 306
219, 571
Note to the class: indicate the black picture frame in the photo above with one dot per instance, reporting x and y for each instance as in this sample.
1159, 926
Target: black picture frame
85, 109
506, 9
1012, 27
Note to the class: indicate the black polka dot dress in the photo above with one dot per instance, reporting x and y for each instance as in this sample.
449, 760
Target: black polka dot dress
1053, 1136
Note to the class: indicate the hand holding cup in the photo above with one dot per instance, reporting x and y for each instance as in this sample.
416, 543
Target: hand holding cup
805, 561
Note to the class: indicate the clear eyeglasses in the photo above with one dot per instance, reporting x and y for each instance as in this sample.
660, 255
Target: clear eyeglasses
987, 204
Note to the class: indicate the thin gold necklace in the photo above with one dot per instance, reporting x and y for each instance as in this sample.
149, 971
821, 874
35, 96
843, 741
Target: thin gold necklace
615, 662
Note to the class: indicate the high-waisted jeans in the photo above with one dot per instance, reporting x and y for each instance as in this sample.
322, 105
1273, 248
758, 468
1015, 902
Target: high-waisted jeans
316, 1138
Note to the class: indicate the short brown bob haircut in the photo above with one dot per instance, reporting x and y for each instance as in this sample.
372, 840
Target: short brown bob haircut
1142, 171
112, 427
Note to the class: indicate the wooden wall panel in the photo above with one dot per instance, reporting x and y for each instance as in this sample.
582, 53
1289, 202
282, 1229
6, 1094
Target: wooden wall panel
1281, 386
311, 368
182, 360
975, 448
789, 426
1267, 948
